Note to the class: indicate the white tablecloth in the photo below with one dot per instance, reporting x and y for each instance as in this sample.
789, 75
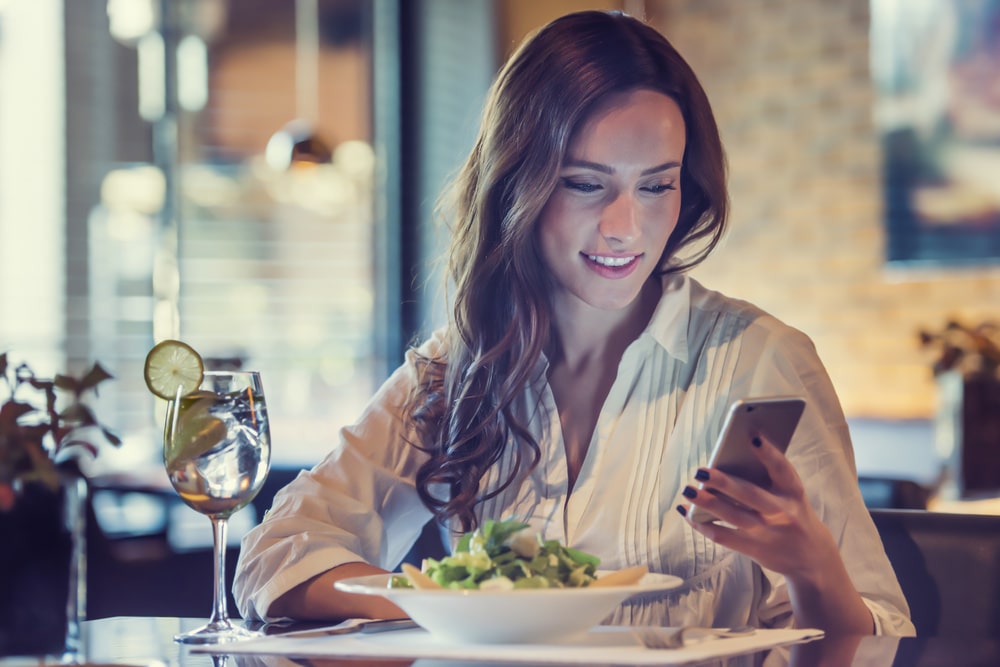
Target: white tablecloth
604, 644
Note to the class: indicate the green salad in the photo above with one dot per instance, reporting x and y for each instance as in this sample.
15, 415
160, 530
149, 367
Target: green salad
507, 555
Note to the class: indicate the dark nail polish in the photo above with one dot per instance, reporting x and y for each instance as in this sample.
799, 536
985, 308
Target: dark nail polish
701, 475
756, 442
688, 492
682, 510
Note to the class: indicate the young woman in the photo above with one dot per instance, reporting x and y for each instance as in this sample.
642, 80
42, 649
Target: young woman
583, 376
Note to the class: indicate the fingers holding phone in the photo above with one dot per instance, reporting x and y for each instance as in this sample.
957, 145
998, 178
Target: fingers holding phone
717, 497
741, 455
775, 527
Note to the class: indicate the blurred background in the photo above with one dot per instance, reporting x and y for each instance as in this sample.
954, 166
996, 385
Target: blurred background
258, 178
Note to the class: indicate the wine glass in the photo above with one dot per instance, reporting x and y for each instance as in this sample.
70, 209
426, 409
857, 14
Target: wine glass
217, 452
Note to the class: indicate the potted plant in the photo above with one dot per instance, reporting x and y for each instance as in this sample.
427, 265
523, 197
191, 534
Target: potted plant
969, 350
966, 368
44, 426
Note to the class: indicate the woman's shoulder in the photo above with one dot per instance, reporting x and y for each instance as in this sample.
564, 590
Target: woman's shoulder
432, 349
708, 305
397, 390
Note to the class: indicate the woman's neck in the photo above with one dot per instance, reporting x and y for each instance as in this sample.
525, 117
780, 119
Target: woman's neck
585, 335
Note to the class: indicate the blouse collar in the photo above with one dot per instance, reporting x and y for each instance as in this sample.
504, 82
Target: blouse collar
669, 324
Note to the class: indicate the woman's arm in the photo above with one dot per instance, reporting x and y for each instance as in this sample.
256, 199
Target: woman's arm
317, 599
821, 555
358, 505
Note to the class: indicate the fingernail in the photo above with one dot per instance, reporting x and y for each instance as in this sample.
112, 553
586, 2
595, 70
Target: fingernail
756, 442
688, 492
682, 510
701, 475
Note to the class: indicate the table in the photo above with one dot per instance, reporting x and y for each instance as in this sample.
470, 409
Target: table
148, 642
987, 505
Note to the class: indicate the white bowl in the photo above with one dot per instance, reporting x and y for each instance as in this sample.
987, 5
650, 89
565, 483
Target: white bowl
507, 617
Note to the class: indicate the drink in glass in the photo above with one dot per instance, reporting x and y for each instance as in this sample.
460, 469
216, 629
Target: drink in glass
217, 453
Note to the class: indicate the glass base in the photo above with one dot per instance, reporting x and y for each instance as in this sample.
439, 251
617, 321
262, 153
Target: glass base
220, 632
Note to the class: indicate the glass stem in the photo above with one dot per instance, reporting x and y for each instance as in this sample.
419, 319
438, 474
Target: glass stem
220, 612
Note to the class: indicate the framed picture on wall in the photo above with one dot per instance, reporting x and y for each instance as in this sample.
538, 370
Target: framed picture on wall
936, 69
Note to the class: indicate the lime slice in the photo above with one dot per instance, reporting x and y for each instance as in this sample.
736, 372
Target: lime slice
173, 366
192, 430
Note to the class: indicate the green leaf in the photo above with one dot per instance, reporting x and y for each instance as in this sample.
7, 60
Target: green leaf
94, 377
504, 557
67, 383
487, 530
532, 582
583, 558
499, 531
44, 468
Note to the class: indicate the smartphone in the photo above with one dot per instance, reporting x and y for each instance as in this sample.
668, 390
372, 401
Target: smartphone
773, 417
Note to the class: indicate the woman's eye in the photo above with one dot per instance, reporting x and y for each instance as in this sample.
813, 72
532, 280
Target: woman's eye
580, 186
658, 188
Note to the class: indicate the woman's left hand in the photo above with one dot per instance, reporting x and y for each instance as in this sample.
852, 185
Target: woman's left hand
777, 527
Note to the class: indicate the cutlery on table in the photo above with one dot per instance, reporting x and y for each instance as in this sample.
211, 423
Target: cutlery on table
654, 637
354, 625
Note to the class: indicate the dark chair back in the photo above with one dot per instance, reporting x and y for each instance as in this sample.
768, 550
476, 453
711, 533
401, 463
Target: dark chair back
949, 568
891, 493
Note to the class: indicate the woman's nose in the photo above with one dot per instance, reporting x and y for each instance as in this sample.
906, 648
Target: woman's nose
619, 220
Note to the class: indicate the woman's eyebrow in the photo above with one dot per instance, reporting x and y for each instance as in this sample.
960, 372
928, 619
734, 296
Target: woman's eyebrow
605, 169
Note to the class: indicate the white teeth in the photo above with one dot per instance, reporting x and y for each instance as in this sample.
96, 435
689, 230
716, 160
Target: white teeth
611, 261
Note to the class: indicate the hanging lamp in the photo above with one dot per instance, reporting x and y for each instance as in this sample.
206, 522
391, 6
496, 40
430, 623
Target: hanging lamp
297, 144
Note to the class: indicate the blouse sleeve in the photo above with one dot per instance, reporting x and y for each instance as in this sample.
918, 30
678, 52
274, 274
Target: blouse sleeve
823, 456
359, 503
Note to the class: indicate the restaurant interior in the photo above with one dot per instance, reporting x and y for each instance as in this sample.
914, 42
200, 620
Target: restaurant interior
259, 179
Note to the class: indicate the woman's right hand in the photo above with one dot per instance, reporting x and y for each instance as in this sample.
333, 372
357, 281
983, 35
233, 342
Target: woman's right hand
317, 600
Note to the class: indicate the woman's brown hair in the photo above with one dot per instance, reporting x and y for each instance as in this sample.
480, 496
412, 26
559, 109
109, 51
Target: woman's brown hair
462, 409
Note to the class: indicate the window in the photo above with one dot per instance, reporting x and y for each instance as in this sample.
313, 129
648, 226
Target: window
150, 219
273, 263
125, 218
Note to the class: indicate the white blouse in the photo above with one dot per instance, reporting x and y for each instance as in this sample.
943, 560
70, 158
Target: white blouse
700, 351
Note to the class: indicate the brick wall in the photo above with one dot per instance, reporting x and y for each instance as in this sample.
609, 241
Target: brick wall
789, 81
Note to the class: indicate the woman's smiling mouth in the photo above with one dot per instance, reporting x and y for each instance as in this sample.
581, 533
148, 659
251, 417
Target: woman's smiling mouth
612, 267
613, 262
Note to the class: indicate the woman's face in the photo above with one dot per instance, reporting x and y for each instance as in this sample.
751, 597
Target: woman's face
617, 200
